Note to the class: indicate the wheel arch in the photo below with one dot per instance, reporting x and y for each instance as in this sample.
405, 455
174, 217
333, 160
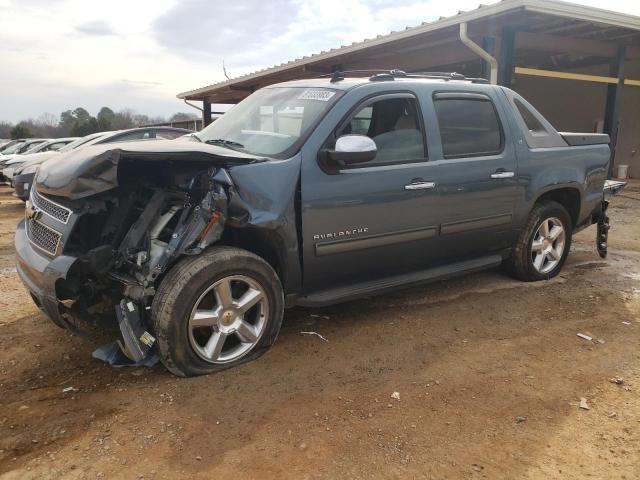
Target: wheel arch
569, 197
263, 244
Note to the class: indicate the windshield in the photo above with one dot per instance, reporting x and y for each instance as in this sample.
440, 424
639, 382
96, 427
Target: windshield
8, 145
30, 147
272, 121
37, 147
13, 148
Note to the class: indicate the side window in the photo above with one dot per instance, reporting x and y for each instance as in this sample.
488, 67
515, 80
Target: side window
135, 135
361, 122
394, 125
55, 146
169, 134
469, 127
30, 146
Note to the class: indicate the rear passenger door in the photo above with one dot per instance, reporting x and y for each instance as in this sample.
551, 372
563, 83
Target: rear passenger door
477, 173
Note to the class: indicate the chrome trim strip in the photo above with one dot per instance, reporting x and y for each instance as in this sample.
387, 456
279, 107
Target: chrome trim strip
379, 240
475, 224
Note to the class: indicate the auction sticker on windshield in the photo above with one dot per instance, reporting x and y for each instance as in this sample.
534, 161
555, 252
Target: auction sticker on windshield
316, 94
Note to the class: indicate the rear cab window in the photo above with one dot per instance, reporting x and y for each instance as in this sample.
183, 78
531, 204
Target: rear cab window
537, 131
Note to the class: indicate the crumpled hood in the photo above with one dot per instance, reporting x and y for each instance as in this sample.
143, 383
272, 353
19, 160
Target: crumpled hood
91, 170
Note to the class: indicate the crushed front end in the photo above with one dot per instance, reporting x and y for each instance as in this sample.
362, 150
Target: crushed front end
98, 259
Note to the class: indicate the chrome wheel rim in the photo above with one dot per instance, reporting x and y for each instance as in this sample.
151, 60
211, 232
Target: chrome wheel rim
548, 245
228, 319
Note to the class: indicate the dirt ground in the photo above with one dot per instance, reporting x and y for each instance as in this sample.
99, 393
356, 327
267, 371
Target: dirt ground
490, 374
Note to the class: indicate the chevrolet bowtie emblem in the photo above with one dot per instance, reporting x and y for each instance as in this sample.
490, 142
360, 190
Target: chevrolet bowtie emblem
31, 211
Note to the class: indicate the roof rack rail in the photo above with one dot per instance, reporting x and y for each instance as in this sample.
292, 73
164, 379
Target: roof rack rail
338, 75
395, 73
380, 74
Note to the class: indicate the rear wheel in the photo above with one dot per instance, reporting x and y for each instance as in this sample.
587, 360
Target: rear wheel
543, 245
217, 310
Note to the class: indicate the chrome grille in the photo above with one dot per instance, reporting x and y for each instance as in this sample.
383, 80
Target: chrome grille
43, 237
52, 209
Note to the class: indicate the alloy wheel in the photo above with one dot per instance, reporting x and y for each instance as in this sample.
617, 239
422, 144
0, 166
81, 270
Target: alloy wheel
547, 246
228, 319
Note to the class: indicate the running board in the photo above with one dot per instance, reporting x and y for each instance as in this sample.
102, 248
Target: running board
344, 294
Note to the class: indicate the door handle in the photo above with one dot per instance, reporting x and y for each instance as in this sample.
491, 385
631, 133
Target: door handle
503, 174
420, 186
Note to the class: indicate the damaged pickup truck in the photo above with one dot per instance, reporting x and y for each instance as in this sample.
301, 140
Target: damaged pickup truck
306, 193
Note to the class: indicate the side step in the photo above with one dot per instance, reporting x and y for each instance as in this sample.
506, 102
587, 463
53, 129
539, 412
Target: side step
344, 294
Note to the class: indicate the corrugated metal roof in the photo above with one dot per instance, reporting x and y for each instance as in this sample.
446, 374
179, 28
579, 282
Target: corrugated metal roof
550, 7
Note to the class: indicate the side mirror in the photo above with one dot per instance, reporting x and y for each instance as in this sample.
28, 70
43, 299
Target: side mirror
352, 149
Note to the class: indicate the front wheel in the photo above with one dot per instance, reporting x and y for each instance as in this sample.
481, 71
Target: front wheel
217, 310
543, 245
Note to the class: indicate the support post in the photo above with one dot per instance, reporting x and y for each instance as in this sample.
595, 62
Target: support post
612, 107
505, 60
206, 113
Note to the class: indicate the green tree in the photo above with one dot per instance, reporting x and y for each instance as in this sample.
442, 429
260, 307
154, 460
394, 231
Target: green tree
81, 115
181, 116
5, 129
105, 119
21, 131
85, 127
78, 122
123, 119
67, 122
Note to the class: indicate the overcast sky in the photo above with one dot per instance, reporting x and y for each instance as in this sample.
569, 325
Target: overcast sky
61, 54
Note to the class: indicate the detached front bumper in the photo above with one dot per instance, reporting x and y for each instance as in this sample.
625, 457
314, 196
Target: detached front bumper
41, 274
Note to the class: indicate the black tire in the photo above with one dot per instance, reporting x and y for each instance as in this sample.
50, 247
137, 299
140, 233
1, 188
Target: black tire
181, 288
520, 262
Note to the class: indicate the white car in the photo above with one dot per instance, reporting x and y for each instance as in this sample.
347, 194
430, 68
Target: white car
46, 147
20, 147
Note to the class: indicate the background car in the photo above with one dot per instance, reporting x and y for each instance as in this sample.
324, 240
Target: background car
21, 147
53, 145
24, 173
23, 176
11, 143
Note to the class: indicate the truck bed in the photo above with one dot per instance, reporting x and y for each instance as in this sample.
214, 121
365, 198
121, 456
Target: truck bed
577, 139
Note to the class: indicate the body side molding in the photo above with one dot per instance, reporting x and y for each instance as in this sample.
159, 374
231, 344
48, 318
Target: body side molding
378, 240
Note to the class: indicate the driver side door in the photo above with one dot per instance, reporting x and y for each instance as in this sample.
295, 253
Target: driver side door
369, 221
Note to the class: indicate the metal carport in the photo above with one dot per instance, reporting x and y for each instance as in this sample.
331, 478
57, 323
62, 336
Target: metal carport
579, 65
